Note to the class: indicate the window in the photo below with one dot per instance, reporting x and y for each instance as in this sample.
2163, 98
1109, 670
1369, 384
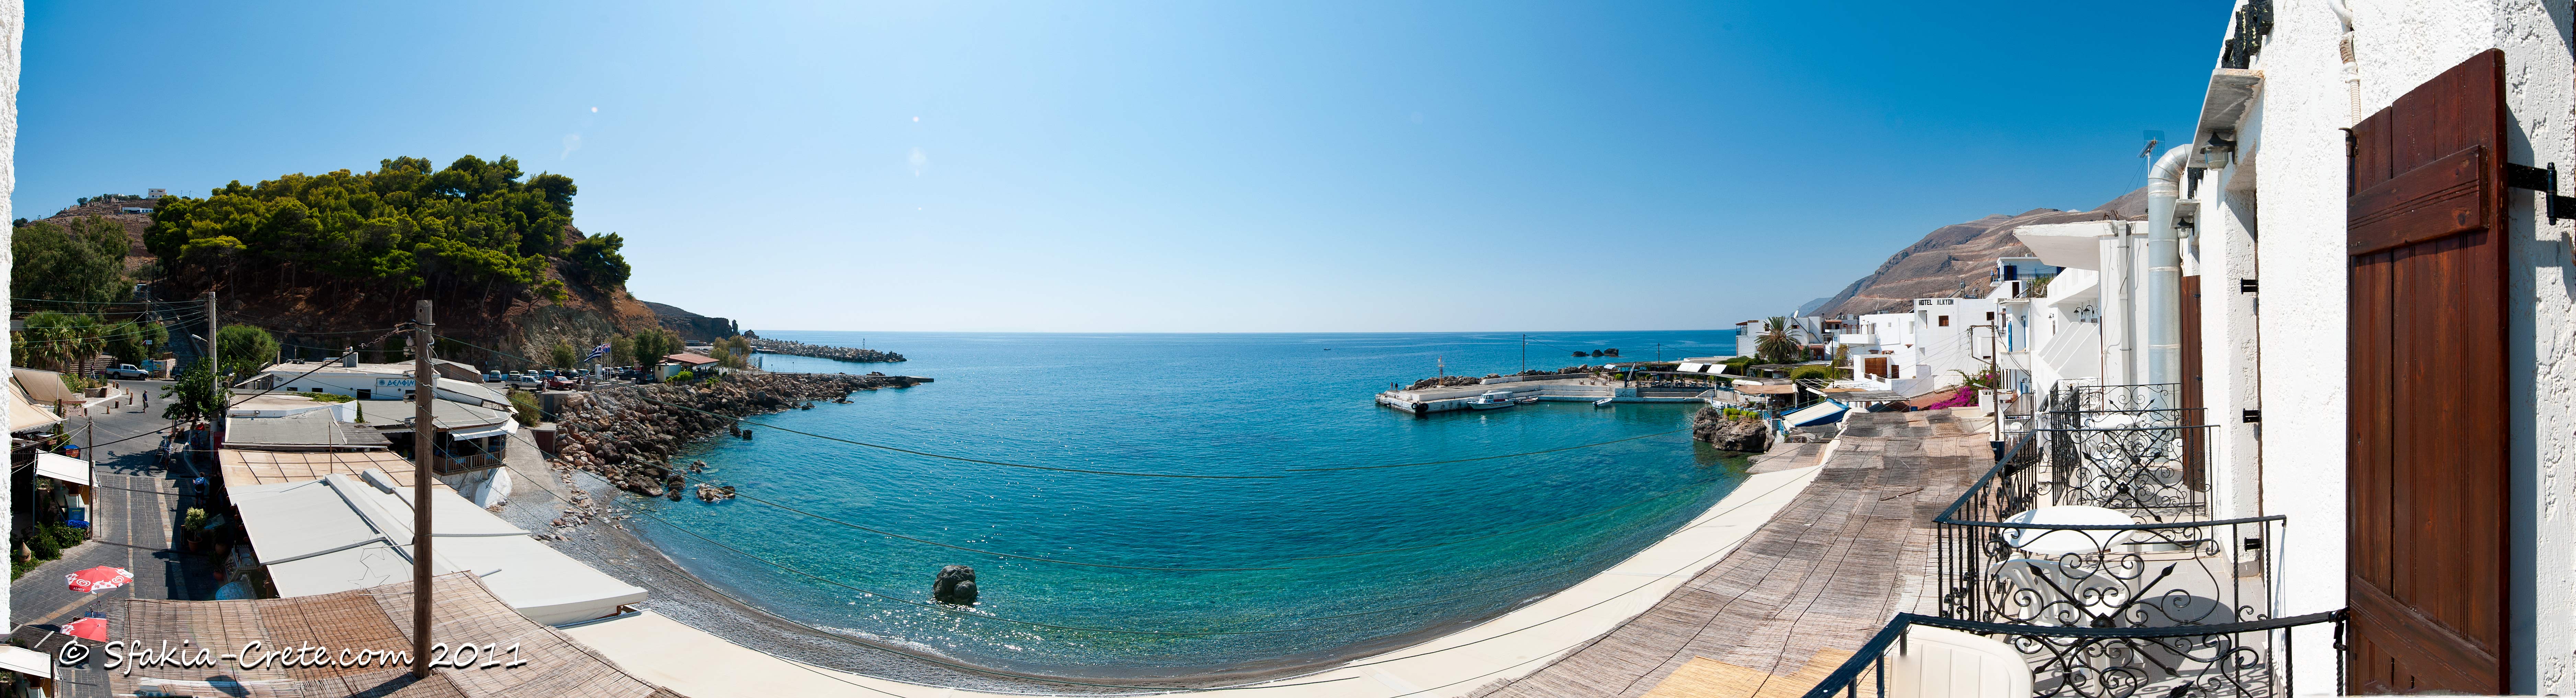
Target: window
1990, 316
1945, 321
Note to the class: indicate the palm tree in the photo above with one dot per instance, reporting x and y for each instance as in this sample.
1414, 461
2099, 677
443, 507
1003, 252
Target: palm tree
1775, 345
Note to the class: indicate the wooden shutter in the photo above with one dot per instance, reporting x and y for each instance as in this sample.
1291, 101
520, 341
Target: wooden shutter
2195, 442
2427, 432
1875, 366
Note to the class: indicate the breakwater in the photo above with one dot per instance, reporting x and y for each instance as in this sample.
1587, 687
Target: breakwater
627, 435
776, 346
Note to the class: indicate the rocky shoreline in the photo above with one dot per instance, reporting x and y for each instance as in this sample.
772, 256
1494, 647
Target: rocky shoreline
627, 435
1742, 431
780, 346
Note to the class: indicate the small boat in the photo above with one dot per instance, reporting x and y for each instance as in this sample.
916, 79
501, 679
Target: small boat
1603, 402
1492, 400
1525, 400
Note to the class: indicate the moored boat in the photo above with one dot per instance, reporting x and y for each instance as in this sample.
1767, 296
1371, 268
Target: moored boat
1603, 402
1492, 400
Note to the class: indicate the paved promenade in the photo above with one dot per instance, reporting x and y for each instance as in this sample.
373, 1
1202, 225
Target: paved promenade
1806, 589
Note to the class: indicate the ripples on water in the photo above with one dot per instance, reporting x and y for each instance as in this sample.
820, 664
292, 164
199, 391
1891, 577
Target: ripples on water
1190, 404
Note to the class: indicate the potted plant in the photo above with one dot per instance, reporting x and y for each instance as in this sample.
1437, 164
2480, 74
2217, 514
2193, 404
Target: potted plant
194, 525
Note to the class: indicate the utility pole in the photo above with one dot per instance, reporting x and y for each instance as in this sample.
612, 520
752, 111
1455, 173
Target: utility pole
216, 366
424, 440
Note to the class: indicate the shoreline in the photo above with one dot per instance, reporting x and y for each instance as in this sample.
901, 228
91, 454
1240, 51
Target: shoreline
720, 663
706, 607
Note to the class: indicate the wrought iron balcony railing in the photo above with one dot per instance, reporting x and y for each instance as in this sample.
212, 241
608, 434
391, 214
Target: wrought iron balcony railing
1918, 655
2133, 448
2085, 563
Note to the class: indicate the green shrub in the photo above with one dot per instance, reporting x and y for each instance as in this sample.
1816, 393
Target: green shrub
1817, 372
65, 536
683, 377
194, 520
524, 408
329, 397
44, 546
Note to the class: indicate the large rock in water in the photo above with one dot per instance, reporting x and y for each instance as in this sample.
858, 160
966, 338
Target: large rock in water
956, 585
1747, 434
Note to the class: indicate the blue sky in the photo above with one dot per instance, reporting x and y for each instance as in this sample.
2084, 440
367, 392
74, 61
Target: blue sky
1150, 166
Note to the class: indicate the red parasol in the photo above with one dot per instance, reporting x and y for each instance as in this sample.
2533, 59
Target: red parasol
91, 628
98, 579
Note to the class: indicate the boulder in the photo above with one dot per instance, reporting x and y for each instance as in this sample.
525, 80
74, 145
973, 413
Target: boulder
1746, 433
955, 585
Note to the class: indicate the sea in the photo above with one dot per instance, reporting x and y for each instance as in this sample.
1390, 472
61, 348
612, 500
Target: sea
1333, 527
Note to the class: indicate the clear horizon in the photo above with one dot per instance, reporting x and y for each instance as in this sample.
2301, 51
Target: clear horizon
1163, 167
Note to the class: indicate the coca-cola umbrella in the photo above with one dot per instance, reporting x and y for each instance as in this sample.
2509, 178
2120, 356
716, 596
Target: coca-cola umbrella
92, 628
100, 578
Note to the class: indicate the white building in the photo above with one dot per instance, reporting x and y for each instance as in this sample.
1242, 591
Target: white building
2354, 304
370, 382
1934, 344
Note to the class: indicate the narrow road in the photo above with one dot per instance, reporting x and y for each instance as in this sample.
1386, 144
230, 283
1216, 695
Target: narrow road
133, 524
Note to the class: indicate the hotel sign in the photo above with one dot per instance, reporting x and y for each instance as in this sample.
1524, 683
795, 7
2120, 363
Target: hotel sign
394, 383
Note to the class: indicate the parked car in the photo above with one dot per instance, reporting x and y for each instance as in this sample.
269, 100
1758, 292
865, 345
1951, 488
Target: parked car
127, 372
525, 380
495, 376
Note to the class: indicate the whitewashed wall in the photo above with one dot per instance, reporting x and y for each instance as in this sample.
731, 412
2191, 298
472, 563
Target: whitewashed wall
13, 34
2300, 179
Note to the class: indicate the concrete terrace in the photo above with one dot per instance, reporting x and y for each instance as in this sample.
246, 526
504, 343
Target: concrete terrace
1810, 586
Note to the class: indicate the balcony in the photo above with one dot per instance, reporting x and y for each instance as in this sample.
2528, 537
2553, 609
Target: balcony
1857, 339
2085, 563
455, 465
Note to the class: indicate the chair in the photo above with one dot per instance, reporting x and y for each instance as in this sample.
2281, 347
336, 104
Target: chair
1943, 663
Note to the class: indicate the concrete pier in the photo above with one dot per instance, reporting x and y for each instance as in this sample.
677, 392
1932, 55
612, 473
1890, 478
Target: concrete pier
1583, 389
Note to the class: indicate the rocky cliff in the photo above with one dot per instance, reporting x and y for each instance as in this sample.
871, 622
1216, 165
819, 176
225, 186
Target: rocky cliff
1955, 259
692, 326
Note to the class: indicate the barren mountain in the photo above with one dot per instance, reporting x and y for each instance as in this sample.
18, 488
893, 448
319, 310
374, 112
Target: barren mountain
1955, 259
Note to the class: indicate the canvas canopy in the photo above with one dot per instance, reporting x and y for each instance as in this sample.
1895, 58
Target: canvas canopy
62, 468
343, 532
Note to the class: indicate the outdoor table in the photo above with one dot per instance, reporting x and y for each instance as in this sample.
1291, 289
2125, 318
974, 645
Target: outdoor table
2038, 541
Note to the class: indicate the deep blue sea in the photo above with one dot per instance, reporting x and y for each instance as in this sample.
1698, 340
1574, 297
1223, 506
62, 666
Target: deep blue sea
1315, 564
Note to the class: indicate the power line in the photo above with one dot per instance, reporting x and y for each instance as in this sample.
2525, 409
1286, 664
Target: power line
1525, 529
940, 607
943, 456
684, 477
1478, 458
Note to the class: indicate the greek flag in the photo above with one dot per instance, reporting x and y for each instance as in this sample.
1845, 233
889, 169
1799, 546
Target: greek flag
596, 352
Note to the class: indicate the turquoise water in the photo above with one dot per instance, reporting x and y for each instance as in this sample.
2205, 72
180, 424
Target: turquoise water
1438, 545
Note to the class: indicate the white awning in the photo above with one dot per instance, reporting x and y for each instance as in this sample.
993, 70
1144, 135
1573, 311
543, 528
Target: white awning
26, 662
506, 427
63, 468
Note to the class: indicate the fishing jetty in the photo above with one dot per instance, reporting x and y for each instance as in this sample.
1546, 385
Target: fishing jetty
1426, 397
780, 346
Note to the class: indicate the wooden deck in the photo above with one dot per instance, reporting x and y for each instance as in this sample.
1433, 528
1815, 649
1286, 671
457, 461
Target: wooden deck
1809, 587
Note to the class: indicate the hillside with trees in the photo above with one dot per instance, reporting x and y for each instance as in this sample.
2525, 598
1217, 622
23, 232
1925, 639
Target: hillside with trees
329, 261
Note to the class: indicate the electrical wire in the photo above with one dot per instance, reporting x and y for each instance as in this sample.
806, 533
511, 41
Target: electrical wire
937, 606
1525, 529
1478, 458
944, 456
685, 477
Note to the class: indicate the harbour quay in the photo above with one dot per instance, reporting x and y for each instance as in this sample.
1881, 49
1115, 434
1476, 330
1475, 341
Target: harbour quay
1546, 388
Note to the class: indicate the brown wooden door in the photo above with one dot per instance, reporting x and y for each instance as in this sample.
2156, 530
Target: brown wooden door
2426, 440
1875, 366
2195, 403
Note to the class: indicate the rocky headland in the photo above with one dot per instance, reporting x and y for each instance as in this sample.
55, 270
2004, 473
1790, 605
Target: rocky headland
780, 346
627, 435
